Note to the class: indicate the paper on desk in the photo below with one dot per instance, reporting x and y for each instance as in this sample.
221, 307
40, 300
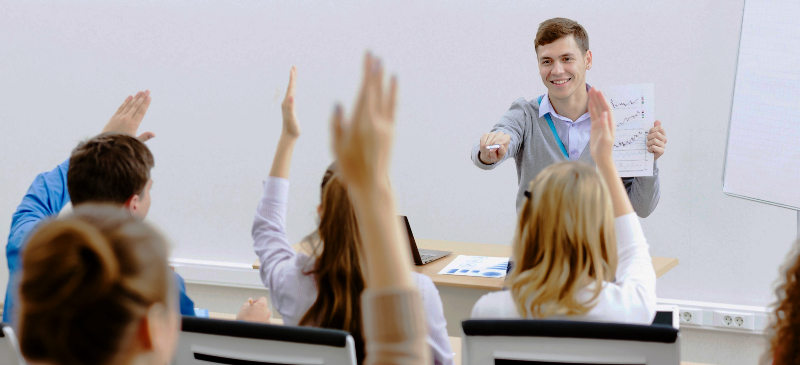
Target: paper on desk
491, 267
634, 116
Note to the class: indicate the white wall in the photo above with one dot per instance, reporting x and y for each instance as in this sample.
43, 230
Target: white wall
215, 68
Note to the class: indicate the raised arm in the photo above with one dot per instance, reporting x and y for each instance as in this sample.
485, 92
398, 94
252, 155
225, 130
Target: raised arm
289, 133
601, 144
394, 322
269, 225
634, 290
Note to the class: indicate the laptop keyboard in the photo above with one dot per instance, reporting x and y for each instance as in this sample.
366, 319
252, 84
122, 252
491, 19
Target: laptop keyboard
426, 256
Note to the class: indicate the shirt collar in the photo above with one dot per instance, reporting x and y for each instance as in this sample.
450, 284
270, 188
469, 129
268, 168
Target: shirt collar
546, 107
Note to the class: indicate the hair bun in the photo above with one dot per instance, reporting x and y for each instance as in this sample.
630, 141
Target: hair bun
76, 266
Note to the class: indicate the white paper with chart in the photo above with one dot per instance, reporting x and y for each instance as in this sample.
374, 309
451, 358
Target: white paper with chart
634, 116
490, 267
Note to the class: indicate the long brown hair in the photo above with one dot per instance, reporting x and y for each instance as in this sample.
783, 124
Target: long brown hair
87, 281
337, 270
565, 240
785, 329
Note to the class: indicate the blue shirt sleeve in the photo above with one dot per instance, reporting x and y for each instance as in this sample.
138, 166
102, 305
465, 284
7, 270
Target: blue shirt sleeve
186, 304
45, 198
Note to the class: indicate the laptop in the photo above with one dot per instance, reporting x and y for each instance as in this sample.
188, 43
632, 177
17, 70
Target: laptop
422, 257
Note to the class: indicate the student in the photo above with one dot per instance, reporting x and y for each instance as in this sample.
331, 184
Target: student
323, 289
113, 167
555, 127
96, 290
394, 322
785, 330
581, 253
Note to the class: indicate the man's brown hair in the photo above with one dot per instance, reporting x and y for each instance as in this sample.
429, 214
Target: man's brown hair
109, 168
554, 29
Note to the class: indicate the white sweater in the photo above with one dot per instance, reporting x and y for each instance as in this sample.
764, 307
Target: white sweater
293, 292
630, 299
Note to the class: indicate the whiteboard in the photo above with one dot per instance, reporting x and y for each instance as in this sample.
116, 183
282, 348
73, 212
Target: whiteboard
215, 67
762, 161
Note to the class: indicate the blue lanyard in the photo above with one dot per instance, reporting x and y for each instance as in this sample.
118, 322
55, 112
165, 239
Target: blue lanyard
555, 134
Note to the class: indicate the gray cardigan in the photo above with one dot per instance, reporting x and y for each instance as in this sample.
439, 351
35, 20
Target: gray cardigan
533, 146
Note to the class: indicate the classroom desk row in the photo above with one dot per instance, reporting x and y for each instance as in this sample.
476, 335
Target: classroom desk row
459, 293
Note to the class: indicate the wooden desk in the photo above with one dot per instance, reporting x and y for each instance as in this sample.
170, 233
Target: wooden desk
459, 293
661, 264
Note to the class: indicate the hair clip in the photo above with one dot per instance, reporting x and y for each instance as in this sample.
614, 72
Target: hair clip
527, 194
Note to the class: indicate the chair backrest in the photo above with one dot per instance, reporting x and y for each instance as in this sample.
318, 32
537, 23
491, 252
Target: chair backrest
9, 347
211, 341
668, 315
531, 341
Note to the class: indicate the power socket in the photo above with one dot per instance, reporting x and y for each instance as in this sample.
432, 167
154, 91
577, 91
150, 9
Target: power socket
734, 320
692, 316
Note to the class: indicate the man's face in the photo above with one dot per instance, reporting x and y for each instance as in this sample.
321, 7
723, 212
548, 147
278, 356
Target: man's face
562, 66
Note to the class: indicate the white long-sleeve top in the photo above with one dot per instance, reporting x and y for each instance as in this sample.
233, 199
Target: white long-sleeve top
630, 299
293, 293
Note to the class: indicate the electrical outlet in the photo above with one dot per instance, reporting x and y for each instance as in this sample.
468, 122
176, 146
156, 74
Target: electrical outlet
734, 320
691, 316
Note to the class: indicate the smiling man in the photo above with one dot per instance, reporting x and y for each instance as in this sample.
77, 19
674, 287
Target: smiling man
555, 127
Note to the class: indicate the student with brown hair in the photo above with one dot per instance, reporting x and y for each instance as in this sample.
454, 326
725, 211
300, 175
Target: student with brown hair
394, 324
96, 290
784, 333
324, 289
555, 127
113, 167
580, 251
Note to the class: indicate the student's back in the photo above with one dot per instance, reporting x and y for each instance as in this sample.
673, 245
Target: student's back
95, 290
325, 288
110, 168
573, 258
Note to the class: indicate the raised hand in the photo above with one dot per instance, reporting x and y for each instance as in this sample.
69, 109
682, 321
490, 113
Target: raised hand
289, 132
601, 141
291, 126
490, 156
363, 145
657, 140
129, 115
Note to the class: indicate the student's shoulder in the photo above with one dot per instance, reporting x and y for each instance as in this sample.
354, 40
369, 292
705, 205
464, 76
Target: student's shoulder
495, 305
424, 283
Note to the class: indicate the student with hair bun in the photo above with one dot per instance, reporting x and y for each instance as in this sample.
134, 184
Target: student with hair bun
95, 290
579, 248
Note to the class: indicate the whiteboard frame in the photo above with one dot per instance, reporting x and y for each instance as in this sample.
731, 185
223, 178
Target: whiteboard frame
728, 140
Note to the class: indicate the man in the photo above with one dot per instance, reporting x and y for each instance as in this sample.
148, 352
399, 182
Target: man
113, 167
524, 132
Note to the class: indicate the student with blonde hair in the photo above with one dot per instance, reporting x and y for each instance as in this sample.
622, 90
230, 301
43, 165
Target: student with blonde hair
579, 249
96, 290
323, 288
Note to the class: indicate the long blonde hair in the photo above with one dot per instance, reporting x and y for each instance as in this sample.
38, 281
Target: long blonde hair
564, 242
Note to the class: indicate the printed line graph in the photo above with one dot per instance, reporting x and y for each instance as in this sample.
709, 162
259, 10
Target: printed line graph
630, 155
633, 117
626, 103
630, 140
632, 122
